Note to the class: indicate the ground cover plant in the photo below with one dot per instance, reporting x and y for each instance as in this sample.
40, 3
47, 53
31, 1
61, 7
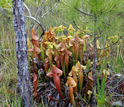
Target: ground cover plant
68, 48
67, 60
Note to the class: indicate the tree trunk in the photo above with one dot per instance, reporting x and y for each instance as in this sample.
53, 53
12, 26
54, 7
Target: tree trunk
21, 51
94, 71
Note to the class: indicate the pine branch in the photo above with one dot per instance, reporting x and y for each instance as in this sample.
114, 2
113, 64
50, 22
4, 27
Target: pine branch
83, 12
83, 30
111, 44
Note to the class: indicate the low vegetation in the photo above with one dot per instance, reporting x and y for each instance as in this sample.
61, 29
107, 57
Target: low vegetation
61, 64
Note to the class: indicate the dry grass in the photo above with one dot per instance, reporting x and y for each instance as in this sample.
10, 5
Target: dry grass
8, 69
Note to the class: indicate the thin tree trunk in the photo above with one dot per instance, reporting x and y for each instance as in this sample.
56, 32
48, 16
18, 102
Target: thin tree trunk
93, 100
21, 51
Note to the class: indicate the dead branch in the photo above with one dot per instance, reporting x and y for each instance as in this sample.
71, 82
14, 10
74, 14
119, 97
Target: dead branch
40, 38
30, 16
37, 21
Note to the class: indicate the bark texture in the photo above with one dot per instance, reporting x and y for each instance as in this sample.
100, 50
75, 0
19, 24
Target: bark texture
21, 51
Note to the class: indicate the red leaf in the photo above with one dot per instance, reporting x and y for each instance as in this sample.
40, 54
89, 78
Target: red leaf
35, 82
10, 92
52, 99
49, 34
35, 39
56, 80
57, 61
46, 65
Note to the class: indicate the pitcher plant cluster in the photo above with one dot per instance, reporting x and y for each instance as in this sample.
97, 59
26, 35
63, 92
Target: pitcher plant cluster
66, 56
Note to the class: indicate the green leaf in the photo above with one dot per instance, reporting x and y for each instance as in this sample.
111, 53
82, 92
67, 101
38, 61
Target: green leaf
84, 48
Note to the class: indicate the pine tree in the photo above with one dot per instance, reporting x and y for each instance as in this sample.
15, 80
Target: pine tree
103, 18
